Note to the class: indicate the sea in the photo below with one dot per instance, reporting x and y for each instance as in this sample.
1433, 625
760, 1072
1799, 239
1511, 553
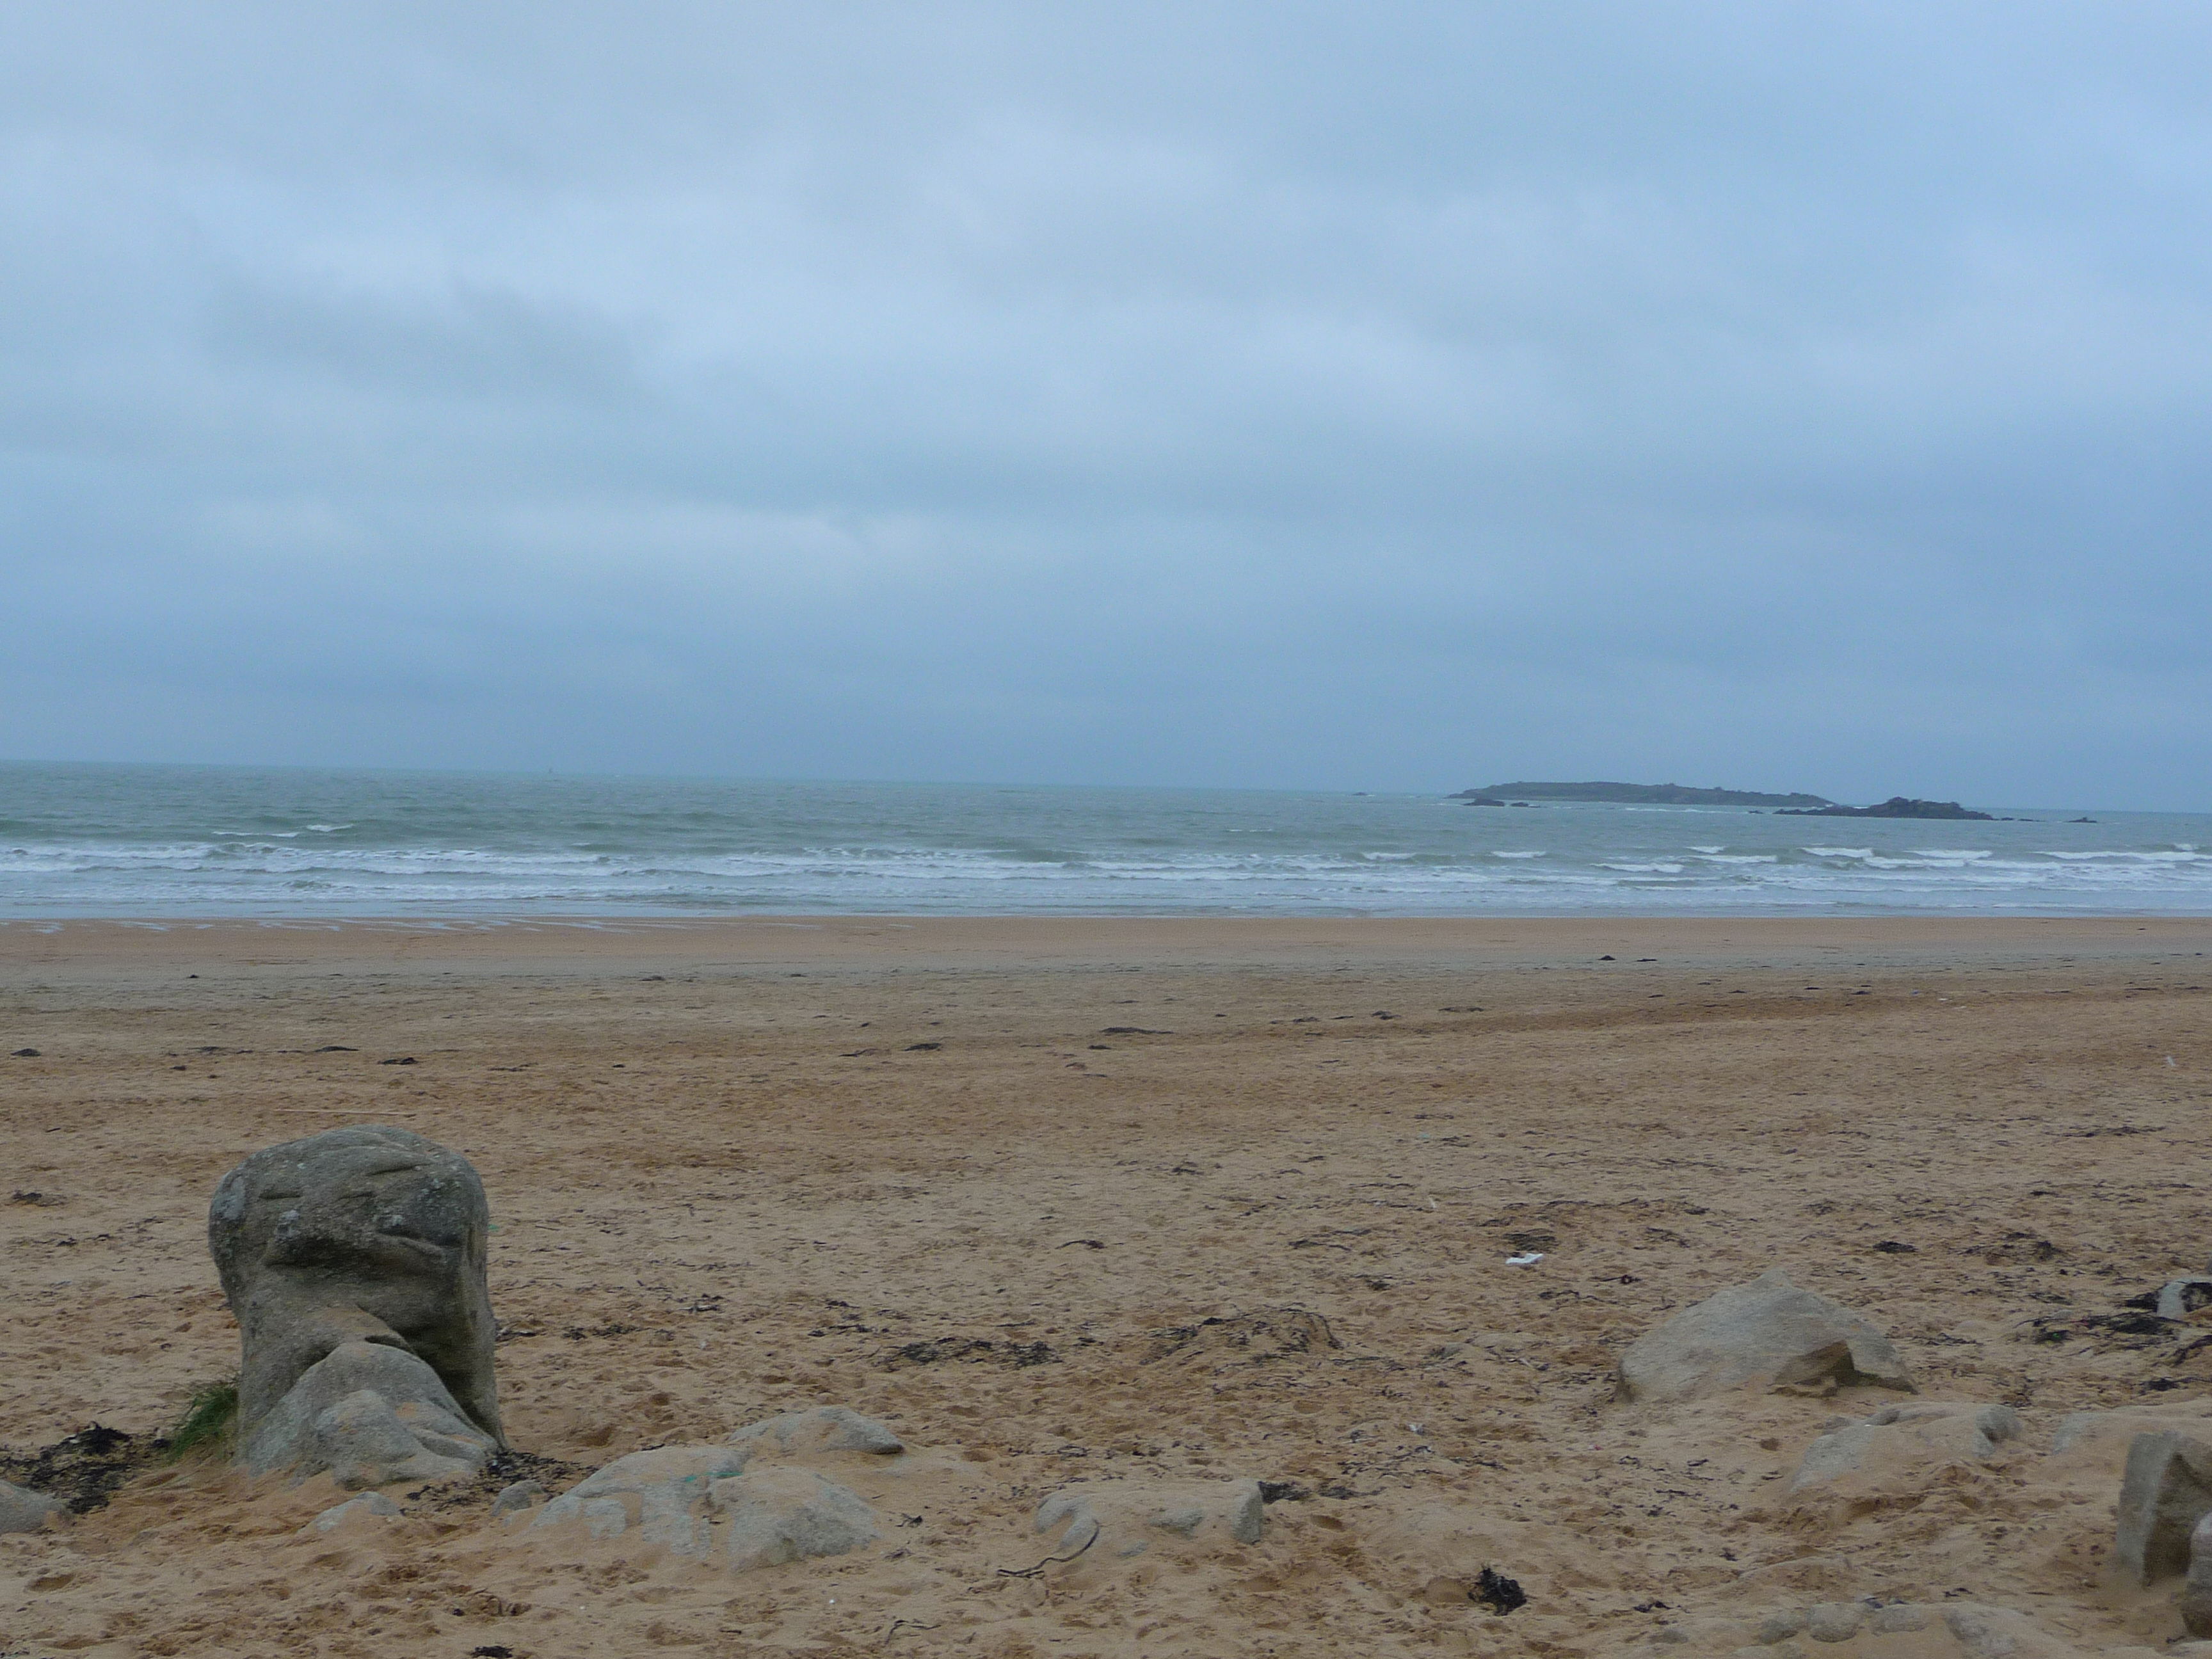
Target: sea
152, 842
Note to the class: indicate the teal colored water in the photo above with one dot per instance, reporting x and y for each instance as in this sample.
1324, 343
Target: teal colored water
146, 841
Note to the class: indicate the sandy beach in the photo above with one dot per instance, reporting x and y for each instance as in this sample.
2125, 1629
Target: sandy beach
1069, 1200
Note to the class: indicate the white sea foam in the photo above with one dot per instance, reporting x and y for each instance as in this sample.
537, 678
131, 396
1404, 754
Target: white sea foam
2173, 855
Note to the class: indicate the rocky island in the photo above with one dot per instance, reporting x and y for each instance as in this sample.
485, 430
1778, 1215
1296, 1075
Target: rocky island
1897, 807
1634, 794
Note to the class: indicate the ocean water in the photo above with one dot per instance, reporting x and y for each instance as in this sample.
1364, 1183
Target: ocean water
150, 841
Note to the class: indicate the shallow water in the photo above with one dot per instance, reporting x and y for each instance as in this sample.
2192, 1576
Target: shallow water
128, 840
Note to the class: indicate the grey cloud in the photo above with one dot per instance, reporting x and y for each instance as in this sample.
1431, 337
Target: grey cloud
1275, 395
469, 342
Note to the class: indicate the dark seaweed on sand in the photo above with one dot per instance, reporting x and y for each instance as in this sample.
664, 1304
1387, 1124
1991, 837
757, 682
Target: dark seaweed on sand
85, 1468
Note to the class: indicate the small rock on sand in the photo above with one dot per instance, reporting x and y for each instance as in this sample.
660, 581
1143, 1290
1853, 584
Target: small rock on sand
369, 1504
691, 1499
22, 1510
513, 1500
789, 1515
2166, 1490
2195, 1602
1905, 1443
370, 1415
1125, 1518
823, 1429
1766, 1335
660, 1492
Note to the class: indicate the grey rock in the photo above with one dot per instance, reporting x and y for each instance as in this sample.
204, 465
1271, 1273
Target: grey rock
1898, 1439
1129, 1516
22, 1510
662, 1494
1781, 1625
358, 1235
370, 1415
1976, 1630
822, 1429
2090, 1433
1832, 1456
1706, 1633
2195, 1602
2166, 1490
514, 1499
1833, 1621
776, 1515
368, 1504
1767, 1334
1986, 1632
680, 1498
605, 1517
1990, 1424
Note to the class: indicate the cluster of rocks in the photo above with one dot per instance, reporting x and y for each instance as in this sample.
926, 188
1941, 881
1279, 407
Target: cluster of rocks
1769, 1335
355, 1260
355, 1263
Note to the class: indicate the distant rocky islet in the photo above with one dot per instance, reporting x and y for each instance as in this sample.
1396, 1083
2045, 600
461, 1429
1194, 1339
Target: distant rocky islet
1632, 794
1676, 795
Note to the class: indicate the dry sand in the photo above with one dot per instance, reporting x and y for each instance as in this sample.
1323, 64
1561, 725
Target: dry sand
738, 1167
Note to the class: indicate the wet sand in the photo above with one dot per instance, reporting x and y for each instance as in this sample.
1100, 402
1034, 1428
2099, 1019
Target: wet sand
991, 1179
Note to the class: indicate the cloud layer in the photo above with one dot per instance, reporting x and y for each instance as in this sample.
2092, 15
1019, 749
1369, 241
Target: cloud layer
1272, 395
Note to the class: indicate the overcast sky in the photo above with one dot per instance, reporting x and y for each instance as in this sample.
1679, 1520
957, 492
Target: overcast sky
1356, 395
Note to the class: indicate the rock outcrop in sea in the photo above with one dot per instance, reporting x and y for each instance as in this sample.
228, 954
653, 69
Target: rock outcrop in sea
1897, 807
1634, 794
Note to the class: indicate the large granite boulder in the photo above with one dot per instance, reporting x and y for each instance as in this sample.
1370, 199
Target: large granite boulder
363, 1236
1766, 1335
